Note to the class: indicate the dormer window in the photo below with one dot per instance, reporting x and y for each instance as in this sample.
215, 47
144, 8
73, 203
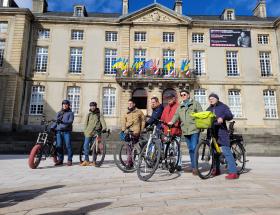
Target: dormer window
228, 14
79, 11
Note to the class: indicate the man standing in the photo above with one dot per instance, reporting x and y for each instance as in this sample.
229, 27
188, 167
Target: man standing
63, 127
94, 123
134, 120
191, 133
223, 114
167, 115
157, 112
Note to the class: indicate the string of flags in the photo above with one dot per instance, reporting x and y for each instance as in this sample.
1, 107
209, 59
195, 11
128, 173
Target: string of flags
142, 66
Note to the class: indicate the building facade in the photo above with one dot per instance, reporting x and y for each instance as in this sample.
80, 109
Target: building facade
50, 56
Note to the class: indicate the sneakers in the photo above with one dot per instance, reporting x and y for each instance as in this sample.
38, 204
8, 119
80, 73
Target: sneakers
58, 163
69, 163
232, 176
194, 172
85, 163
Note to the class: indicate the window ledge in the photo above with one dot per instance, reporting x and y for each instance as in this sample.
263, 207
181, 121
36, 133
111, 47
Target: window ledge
273, 119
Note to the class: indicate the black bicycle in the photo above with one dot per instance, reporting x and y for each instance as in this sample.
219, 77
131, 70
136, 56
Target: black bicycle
206, 150
44, 147
160, 149
97, 148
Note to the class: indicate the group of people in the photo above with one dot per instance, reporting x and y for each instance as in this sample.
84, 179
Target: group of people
174, 113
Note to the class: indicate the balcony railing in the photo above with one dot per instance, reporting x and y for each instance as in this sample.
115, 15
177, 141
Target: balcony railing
149, 76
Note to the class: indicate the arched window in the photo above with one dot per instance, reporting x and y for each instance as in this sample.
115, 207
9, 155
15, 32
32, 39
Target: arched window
165, 94
140, 97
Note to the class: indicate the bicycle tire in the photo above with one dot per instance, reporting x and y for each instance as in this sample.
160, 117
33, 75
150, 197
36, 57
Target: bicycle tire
35, 156
204, 155
172, 166
102, 153
154, 163
238, 155
120, 160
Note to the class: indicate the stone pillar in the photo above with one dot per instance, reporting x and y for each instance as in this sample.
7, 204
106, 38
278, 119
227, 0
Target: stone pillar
178, 7
125, 7
260, 9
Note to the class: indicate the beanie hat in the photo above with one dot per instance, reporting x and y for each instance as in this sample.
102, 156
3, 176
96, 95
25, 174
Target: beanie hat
93, 104
214, 95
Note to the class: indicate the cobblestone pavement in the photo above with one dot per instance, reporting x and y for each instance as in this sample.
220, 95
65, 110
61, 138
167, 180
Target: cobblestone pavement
106, 190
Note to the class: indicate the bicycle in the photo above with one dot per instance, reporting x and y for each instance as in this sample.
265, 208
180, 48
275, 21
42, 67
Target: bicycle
97, 148
45, 145
127, 153
160, 149
207, 149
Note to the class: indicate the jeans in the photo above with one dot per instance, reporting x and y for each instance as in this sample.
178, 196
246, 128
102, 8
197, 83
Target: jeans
229, 158
63, 137
86, 146
192, 141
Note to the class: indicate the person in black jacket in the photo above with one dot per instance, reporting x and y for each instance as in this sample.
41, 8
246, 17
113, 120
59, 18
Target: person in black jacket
157, 112
63, 127
223, 114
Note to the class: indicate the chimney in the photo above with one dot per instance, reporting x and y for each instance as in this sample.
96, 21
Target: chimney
178, 7
125, 7
39, 6
260, 9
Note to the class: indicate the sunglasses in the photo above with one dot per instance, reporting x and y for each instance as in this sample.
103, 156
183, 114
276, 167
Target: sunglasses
183, 94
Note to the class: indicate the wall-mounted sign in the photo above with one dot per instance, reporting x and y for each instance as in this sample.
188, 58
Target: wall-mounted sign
230, 38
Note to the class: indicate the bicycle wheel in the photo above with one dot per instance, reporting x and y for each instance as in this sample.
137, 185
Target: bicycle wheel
172, 155
204, 159
98, 153
35, 156
149, 160
82, 155
239, 155
122, 159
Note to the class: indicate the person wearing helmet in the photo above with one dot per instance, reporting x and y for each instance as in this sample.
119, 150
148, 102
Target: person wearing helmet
94, 123
63, 128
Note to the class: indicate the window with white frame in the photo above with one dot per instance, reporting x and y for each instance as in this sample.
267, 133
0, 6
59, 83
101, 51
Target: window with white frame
232, 63
263, 39
2, 52
76, 59
168, 37
77, 35
270, 104
3, 27
37, 100
265, 63
41, 62
140, 36
234, 102
230, 15
199, 62
111, 36
200, 96
73, 95
167, 56
79, 11
110, 60
43, 33
109, 101
197, 37
139, 55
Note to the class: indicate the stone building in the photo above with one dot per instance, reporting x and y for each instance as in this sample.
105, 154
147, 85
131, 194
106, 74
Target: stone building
48, 56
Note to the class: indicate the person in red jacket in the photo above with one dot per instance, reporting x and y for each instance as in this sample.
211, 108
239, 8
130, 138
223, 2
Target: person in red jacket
167, 116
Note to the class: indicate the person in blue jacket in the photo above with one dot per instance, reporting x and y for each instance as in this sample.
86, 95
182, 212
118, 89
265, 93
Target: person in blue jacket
63, 128
156, 114
223, 114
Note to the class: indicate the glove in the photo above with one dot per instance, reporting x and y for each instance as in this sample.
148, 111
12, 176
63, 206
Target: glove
104, 131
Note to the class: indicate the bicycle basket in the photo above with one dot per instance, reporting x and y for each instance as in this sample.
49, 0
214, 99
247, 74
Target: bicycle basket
203, 119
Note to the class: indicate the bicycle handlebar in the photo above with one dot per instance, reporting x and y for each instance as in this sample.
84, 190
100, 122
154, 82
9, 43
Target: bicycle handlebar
162, 122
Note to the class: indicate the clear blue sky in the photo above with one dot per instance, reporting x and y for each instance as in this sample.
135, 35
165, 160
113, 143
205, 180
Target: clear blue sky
190, 7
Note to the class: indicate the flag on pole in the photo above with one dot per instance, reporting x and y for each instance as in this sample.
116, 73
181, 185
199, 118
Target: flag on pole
155, 67
169, 66
185, 67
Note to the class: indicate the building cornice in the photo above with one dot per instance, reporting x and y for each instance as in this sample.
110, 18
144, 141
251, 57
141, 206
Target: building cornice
16, 11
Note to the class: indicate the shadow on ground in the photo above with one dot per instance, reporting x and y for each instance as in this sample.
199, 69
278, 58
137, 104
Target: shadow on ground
82, 210
13, 198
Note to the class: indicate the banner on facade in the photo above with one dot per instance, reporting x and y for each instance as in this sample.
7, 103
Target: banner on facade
230, 38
